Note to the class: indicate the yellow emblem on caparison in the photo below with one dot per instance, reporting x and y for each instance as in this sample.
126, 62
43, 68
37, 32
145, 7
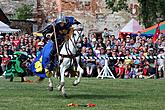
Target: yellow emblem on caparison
38, 66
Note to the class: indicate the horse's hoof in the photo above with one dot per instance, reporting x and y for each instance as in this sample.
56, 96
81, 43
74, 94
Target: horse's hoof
75, 83
50, 88
59, 87
11, 79
65, 95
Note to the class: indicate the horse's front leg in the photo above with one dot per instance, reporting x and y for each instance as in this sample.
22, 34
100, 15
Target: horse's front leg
61, 85
81, 71
50, 86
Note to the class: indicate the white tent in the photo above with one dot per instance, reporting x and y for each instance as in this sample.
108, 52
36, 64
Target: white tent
132, 27
4, 28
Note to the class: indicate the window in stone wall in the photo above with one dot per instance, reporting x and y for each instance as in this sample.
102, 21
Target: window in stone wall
84, 5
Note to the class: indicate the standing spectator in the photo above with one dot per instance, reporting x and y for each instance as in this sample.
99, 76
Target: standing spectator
101, 61
5, 60
105, 34
113, 63
86, 43
161, 64
39, 47
1, 50
1, 71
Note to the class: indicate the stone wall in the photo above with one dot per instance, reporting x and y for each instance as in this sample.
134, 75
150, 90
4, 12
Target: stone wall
9, 6
91, 13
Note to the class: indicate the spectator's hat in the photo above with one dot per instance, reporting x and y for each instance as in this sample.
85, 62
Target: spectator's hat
94, 40
113, 50
40, 43
150, 49
136, 62
105, 29
128, 36
49, 35
102, 47
23, 47
108, 48
161, 50
1, 37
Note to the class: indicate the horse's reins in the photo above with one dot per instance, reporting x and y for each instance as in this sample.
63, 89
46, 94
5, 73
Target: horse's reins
70, 54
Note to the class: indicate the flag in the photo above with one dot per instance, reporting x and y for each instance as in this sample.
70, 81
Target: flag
40, 64
59, 8
157, 32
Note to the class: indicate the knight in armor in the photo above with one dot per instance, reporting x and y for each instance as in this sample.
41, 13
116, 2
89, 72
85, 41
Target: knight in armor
63, 29
46, 60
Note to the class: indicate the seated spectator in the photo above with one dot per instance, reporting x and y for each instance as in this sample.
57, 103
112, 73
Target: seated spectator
128, 71
120, 70
151, 63
84, 55
128, 61
90, 63
148, 72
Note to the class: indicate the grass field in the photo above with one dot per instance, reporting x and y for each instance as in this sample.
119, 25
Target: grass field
107, 94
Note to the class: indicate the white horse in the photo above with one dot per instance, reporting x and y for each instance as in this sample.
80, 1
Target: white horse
69, 55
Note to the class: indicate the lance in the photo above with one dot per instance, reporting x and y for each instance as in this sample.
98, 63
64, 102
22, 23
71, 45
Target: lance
55, 38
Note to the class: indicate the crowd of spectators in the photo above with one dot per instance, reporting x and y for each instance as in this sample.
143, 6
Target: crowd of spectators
104, 45
107, 45
10, 43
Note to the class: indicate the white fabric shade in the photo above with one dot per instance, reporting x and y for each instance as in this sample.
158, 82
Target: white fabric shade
4, 28
132, 26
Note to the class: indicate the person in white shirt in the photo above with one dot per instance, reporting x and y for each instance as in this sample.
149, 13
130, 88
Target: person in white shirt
160, 63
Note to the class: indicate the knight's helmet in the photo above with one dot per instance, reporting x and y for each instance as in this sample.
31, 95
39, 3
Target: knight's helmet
61, 18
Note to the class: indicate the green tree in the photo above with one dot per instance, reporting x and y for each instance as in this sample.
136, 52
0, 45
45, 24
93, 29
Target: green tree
151, 11
24, 12
148, 12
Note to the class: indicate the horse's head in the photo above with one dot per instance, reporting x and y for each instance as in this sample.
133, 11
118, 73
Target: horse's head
78, 33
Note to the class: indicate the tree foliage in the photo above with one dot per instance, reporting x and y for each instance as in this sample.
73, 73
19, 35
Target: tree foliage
24, 12
117, 5
151, 11
148, 12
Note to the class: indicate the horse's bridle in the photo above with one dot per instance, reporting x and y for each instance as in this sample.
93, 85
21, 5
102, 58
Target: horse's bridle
74, 42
